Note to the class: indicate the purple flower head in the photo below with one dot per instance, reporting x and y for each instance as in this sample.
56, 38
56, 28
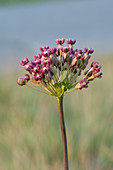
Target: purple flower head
60, 68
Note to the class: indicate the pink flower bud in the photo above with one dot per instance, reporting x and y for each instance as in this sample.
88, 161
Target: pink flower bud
85, 86
41, 49
99, 77
38, 61
42, 75
26, 60
66, 49
35, 57
60, 41
43, 71
38, 67
57, 53
21, 81
39, 55
70, 41
47, 68
27, 77
76, 53
50, 60
90, 51
98, 68
53, 50
44, 63
22, 63
46, 47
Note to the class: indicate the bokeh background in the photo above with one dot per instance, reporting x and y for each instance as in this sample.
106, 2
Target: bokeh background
30, 137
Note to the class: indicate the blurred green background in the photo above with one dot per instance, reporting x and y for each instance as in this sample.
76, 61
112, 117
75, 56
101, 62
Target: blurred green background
30, 137
19, 1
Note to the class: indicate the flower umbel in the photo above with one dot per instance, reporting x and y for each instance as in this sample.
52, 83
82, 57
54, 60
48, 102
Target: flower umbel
58, 70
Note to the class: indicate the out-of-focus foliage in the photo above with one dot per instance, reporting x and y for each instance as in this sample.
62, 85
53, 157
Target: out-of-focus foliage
30, 136
22, 1
18, 1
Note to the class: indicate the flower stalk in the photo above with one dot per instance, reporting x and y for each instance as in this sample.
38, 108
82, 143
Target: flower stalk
63, 131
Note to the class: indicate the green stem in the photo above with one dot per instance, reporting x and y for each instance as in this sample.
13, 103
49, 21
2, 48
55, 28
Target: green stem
63, 131
61, 68
37, 89
76, 75
69, 91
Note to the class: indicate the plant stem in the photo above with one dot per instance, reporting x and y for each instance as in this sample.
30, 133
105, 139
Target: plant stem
37, 89
63, 131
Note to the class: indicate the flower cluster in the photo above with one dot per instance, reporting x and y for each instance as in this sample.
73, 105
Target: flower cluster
58, 70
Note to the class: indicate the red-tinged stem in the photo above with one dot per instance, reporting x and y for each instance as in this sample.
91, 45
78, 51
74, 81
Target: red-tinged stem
63, 131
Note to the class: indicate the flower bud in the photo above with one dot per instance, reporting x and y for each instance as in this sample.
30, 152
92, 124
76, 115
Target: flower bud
60, 41
90, 51
53, 50
46, 47
27, 77
85, 49
41, 49
70, 41
35, 57
39, 55
22, 63
21, 81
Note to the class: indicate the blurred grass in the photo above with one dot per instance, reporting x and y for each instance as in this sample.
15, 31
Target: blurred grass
7, 2
30, 137
19, 1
